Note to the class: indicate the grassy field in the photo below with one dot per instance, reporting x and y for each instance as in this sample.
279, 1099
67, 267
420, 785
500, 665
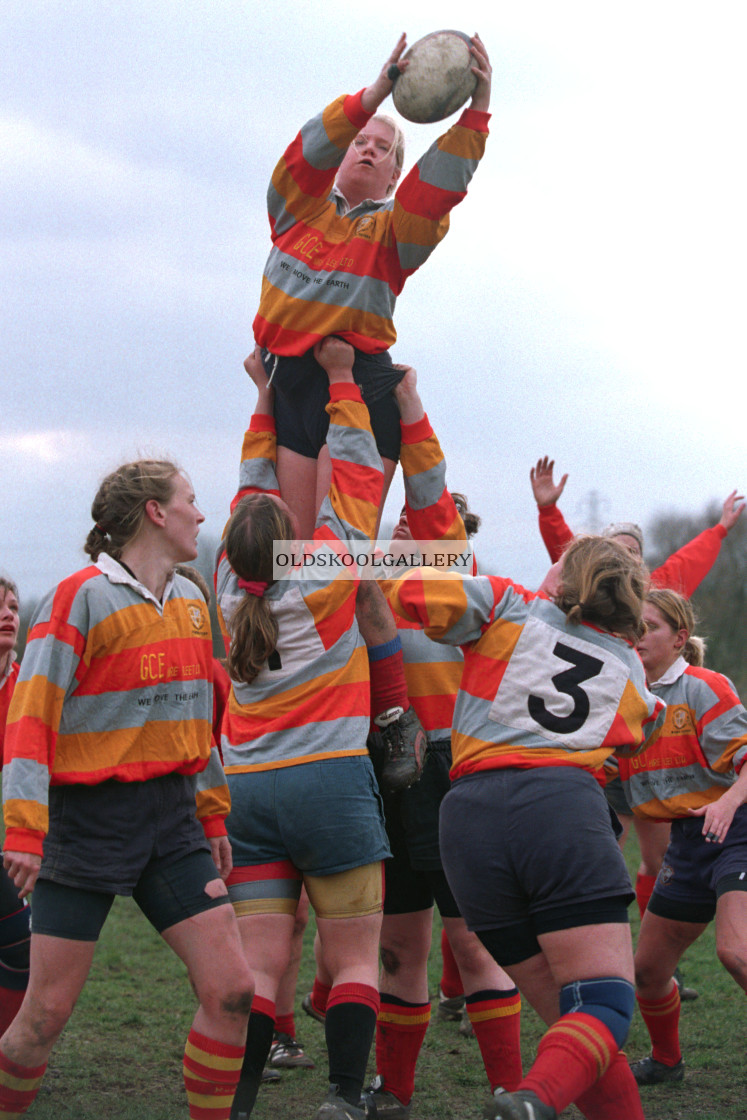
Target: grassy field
120, 1056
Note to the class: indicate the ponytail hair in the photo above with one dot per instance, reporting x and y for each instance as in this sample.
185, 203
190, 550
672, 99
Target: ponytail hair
602, 583
679, 614
255, 523
118, 510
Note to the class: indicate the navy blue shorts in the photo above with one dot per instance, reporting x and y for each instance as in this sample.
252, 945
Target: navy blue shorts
532, 850
302, 394
695, 872
325, 817
168, 892
14, 936
102, 837
414, 876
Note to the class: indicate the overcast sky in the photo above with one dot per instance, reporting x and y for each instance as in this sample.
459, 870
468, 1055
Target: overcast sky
588, 301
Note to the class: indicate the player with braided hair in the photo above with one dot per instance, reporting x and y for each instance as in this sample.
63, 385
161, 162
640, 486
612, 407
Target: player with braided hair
305, 805
111, 785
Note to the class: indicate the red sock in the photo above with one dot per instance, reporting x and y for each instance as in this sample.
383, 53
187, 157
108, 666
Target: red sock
320, 995
496, 1020
211, 1074
451, 980
387, 672
400, 1030
18, 1087
286, 1024
662, 1017
644, 888
576, 1051
615, 1096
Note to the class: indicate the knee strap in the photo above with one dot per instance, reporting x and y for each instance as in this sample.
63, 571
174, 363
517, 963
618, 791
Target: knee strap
608, 998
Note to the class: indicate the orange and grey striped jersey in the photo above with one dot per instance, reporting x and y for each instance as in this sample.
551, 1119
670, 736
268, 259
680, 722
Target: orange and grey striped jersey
697, 753
432, 670
113, 685
311, 699
536, 689
332, 270
7, 685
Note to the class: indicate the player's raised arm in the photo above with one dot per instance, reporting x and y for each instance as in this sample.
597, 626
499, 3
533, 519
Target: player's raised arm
380, 89
483, 71
731, 511
546, 491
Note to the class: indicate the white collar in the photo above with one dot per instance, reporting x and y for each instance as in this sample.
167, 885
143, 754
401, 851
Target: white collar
116, 573
344, 207
673, 673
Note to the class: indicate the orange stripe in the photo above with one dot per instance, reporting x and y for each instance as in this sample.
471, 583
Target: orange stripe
404, 1020
318, 757
498, 1012
585, 1036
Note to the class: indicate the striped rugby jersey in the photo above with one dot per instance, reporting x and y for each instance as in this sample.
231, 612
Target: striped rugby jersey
432, 670
113, 684
7, 685
310, 701
697, 753
336, 272
536, 690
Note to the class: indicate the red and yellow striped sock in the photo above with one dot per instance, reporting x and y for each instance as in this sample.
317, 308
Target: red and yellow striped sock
400, 1030
576, 1051
211, 1074
451, 980
662, 1017
615, 1096
496, 1020
18, 1087
644, 888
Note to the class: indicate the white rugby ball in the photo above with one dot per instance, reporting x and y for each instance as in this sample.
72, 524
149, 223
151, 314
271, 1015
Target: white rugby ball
438, 79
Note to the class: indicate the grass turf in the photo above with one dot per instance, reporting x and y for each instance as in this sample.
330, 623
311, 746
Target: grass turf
120, 1055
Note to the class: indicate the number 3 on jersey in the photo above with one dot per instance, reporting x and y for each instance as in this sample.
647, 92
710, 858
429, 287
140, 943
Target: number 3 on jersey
559, 686
567, 683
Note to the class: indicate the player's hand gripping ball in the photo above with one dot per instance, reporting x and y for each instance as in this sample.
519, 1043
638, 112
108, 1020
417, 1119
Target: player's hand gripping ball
438, 79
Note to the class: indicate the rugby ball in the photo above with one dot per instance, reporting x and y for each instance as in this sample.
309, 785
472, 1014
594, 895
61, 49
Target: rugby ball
438, 79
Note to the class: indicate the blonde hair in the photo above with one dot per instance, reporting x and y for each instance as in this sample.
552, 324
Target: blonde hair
255, 523
398, 139
118, 510
679, 614
601, 582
